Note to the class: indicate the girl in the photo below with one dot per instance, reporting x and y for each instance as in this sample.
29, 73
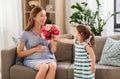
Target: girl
84, 62
39, 52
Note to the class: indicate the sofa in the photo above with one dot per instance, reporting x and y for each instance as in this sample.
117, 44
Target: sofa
65, 62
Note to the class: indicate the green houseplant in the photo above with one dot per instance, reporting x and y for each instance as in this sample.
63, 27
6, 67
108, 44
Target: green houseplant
83, 15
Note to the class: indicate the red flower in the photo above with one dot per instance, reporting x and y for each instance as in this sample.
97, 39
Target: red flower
49, 30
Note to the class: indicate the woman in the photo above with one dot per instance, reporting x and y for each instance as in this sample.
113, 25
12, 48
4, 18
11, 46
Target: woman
39, 52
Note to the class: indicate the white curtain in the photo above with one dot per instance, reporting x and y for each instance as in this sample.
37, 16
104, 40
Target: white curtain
10, 22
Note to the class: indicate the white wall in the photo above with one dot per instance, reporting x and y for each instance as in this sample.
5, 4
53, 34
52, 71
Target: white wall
107, 7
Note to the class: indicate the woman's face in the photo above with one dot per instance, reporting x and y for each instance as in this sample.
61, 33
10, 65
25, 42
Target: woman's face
40, 17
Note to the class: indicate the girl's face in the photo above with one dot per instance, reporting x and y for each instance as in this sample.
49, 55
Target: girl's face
77, 35
40, 18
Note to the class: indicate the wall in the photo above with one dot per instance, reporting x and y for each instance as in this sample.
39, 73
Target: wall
60, 15
108, 9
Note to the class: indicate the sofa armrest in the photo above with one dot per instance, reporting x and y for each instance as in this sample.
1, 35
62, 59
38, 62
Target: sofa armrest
7, 60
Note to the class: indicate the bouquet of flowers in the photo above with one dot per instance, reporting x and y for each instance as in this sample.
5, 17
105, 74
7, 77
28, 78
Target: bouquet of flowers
49, 30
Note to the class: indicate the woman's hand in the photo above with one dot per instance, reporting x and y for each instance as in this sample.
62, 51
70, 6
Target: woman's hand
92, 69
53, 45
40, 48
53, 42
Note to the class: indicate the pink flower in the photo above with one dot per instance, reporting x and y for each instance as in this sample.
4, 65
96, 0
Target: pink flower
49, 30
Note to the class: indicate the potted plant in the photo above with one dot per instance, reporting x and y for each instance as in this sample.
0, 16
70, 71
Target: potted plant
83, 15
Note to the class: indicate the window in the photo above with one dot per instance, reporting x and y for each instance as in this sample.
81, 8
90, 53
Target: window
117, 17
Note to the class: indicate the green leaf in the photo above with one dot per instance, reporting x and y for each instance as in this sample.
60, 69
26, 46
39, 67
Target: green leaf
98, 2
77, 6
84, 3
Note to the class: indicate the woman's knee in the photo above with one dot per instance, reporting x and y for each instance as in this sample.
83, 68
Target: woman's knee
43, 66
52, 65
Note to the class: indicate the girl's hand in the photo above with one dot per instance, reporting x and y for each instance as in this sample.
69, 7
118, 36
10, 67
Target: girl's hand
40, 48
55, 38
92, 69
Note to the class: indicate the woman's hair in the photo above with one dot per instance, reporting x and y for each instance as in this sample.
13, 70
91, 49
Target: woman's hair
86, 33
33, 13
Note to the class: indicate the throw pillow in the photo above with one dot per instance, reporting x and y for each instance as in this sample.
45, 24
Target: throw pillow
111, 53
18, 60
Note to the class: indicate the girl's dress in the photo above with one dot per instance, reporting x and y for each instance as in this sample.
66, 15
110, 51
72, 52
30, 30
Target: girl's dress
31, 40
82, 62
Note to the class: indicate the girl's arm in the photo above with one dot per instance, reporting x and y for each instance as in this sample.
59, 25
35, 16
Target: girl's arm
64, 40
92, 56
53, 46
22, 53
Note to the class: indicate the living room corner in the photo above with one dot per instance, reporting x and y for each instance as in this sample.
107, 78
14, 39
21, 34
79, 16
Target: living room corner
14, 15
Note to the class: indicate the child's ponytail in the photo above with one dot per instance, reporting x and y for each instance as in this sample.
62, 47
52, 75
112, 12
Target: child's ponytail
92, 40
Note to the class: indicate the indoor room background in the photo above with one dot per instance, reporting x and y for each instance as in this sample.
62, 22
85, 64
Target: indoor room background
11, 19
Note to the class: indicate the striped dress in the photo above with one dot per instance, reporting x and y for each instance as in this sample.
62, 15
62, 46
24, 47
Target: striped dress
82, 62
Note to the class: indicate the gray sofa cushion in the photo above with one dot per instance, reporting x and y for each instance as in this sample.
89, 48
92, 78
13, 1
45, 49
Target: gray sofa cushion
107, 72
22, 72
62, 70
71, 72
100, 42
64, 51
